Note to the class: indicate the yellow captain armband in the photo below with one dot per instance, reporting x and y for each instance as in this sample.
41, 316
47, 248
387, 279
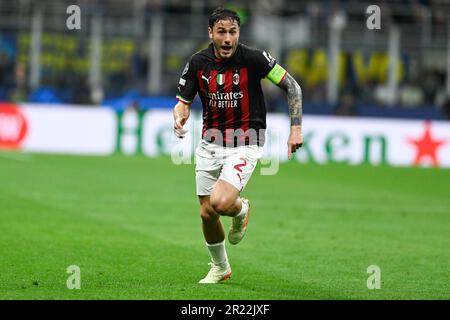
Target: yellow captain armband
276, 74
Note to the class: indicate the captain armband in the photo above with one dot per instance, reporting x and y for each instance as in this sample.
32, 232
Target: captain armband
276, 74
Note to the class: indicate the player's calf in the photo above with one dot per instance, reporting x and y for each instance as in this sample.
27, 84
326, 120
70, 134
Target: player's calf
212, 227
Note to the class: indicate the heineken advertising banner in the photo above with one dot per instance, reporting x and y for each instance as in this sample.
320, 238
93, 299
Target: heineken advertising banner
101, 131
326, 139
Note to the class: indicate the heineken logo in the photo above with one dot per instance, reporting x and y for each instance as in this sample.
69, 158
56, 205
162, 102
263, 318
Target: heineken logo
427, 147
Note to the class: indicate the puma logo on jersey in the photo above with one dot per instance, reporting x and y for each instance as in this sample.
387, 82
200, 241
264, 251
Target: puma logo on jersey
205, 78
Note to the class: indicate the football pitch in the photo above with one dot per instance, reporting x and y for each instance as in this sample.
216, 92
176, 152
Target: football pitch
132, 226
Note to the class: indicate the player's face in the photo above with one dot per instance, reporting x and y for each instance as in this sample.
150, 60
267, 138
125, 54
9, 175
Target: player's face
225, 37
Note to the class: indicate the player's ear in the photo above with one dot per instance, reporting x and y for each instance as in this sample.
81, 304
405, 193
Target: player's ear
210, 32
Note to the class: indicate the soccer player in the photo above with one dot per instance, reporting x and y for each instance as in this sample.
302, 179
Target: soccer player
227, 76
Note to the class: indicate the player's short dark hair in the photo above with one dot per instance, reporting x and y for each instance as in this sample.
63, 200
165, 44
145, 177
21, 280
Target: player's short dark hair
221, 13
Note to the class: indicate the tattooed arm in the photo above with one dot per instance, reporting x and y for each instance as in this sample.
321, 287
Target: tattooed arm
294, 98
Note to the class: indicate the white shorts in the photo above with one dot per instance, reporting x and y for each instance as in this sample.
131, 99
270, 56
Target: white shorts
233, 165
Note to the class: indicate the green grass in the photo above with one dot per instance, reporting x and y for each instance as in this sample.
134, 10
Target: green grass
132, 225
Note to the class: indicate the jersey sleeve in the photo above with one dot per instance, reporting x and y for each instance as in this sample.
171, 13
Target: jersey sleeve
188, 84
267, 66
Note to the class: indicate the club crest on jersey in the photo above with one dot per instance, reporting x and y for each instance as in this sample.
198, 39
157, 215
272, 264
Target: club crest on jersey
236, 78
220, 79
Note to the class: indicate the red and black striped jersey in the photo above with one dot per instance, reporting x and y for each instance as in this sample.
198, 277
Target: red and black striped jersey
234, 111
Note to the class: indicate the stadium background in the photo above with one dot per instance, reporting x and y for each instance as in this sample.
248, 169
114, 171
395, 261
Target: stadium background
87, 176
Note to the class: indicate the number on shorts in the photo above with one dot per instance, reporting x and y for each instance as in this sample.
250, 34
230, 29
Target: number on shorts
239, 165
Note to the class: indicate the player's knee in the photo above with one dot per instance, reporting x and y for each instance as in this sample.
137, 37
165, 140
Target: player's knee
208, 215
221, 205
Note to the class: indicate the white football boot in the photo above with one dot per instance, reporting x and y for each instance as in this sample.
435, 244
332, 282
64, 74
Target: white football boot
217, 273
239, 226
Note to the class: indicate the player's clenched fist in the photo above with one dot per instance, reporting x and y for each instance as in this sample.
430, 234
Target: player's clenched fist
180, 116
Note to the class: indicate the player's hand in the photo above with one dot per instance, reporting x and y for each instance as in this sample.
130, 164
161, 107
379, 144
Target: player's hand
180, 117
295, 140
178, 129
180, 133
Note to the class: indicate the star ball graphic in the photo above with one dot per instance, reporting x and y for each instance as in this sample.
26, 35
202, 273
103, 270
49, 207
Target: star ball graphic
427, 147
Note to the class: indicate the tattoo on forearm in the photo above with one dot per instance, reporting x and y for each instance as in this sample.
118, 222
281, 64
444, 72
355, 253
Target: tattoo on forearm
294, 98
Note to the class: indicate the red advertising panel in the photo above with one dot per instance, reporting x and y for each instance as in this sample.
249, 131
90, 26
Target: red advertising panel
13, 126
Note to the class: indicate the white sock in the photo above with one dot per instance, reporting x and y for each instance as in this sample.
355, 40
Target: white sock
243, 211
218, 252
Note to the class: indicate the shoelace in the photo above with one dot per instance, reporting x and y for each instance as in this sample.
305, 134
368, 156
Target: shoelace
214, 267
